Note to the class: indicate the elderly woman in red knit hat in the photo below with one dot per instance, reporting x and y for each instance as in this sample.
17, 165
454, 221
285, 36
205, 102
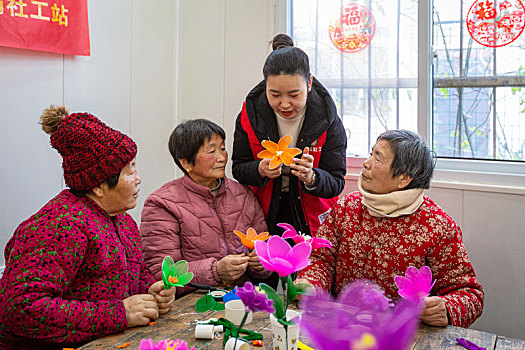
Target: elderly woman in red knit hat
389, 225
74, 270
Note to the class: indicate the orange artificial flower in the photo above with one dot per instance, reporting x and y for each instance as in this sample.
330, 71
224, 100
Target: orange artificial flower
278, 153
173, 279
248, 239
125, 345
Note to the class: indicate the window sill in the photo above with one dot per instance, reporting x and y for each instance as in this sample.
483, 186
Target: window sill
497, 177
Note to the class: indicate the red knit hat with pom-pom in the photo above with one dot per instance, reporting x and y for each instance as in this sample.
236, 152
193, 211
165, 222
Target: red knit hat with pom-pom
92, 152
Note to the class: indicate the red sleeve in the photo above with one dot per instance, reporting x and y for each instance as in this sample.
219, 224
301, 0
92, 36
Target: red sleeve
321, 271
455, 279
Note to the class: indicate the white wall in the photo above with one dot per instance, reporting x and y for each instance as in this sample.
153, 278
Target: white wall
223, 45
128, 81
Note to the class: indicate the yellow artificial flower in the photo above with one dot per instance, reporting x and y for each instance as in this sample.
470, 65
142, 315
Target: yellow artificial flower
367, 342
248, 239
278, 152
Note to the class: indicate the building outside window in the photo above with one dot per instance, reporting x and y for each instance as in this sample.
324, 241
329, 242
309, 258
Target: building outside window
477, 95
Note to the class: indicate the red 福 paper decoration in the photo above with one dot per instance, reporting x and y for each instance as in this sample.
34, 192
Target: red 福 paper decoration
59, 26
495, 23
353, 29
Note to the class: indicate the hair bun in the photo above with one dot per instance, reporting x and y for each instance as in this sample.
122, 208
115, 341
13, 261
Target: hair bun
52, 117
280, 41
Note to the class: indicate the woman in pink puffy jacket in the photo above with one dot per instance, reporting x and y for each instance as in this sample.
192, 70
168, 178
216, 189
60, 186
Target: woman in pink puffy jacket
193, 217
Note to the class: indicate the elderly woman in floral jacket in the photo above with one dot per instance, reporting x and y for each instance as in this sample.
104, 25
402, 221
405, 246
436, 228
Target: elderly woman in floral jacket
389, 225
74, 270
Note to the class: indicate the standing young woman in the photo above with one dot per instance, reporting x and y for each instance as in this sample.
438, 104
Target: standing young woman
291, 101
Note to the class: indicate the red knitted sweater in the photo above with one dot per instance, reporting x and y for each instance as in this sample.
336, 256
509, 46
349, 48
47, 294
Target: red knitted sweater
378, 249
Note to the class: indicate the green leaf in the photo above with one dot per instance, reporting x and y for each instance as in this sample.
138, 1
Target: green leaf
205, 304
291, 292
181, 267
184, 279
284, 322
218, 307
167, 264
303, 288
278, 303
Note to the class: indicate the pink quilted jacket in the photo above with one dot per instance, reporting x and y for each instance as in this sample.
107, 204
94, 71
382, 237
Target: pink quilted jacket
184, 220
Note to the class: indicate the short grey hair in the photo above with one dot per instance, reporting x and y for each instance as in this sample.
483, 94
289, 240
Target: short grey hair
411, 156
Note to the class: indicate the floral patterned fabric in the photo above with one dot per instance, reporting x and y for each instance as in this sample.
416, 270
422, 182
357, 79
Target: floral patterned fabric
68, 268
378, 249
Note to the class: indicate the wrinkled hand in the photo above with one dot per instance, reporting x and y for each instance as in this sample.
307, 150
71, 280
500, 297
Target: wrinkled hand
232, 267
265, 171
254, 264
435, 312
303, 167
164, 298
140, 309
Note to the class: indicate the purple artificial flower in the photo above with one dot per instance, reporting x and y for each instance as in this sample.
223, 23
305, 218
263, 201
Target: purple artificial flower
149, 344
297, 238
358, 319
278, 256
254, 300
416, 284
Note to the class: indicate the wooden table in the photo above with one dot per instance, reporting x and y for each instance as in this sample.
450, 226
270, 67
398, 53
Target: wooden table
180, 324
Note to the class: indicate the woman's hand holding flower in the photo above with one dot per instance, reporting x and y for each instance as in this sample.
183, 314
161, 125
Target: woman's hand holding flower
303, 167
164, 297
232, 267
265, 171
435, 312
254, 264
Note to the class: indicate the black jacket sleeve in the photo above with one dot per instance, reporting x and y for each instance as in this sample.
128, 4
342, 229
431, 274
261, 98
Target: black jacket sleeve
332, 165
245, 168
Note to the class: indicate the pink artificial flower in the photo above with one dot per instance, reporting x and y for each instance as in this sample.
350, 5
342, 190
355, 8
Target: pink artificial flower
297, 238
416, 284
278, 256
149, 344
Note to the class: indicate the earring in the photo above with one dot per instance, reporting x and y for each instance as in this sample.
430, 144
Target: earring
188, 170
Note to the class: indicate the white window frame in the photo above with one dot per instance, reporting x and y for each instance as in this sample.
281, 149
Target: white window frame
481, 175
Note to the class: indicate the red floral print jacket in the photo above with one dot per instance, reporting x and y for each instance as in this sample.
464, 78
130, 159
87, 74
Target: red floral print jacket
378, 249
68, 269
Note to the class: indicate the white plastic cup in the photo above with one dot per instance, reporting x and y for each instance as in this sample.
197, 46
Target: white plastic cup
241, 344
219, 329
234, 312
204, 331
279, 333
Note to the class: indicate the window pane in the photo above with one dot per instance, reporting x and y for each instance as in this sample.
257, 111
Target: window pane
371, 86
477, 111
510, 124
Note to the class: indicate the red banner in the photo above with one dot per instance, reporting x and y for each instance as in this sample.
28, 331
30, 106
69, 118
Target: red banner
46, 25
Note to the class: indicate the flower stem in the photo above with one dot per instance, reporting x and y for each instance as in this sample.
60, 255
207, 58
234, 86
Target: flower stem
239, 329
284, 282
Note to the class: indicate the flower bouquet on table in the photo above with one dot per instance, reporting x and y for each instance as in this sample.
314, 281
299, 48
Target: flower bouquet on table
361, 318
277, 255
